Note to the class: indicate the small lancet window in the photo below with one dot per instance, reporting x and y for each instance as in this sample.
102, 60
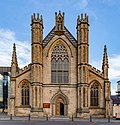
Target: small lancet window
59, 24
25, 93
94, 94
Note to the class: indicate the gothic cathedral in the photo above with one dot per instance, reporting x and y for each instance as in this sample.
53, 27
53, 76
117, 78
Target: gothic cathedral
59, 80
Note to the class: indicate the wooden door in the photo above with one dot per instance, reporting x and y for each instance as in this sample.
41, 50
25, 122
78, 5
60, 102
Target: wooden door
59, 102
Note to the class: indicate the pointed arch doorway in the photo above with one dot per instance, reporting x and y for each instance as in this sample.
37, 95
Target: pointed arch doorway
59, 106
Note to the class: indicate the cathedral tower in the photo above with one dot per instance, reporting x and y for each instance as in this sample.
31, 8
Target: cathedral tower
37, 61
82, 38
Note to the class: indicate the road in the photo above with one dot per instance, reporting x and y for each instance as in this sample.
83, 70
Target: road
55, 123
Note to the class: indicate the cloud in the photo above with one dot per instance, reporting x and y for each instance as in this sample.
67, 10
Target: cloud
114, 70
7, 38
83, 4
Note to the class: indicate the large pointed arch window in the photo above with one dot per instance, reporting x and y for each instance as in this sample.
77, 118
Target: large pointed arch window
25, 93
94, 95
59, 64
65, 70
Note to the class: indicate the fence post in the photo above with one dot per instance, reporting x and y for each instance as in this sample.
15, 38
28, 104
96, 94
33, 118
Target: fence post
29, 117
72, 118
90, 118
10, 116
46, 117
108, 118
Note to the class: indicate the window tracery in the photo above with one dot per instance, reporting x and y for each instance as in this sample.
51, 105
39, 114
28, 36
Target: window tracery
25, 93
59, 64
94, 94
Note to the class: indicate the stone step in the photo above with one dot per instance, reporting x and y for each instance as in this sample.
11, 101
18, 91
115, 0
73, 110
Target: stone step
59, 118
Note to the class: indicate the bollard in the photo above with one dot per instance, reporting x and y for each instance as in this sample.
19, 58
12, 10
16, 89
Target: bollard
108, 118
46, 117
29, 117
10, 116
72, 118
90, 118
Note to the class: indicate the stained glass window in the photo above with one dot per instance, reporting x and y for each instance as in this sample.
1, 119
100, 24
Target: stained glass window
94, 94
59, 64
25, 93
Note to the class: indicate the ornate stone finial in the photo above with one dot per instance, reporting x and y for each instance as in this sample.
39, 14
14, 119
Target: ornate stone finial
81, 16
37, 15
36, 18
59, 21
41, 17
59, 12
78, 19
82, 19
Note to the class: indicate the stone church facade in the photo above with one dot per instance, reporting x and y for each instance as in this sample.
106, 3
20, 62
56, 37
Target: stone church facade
59, 80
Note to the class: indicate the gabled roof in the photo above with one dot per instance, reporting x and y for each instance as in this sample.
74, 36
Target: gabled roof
70, 36
49, 36
66, 33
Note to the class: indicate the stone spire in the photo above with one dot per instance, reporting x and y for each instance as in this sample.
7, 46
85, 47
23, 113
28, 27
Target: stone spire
14, 63
105, 64
14, 56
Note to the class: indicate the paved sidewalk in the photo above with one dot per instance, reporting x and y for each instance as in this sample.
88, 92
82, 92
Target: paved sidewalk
5, 117
104, 120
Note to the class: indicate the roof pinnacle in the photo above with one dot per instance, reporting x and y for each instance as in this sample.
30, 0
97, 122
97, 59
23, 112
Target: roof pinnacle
105, 58
14, 56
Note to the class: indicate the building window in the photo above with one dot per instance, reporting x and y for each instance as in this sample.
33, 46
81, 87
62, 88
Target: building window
25, 93
4, 86
94, 94
60, 22
53, 70
59, 26
59, 64
65, 71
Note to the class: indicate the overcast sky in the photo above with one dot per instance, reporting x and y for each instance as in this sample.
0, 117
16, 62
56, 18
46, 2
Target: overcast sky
104, 20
